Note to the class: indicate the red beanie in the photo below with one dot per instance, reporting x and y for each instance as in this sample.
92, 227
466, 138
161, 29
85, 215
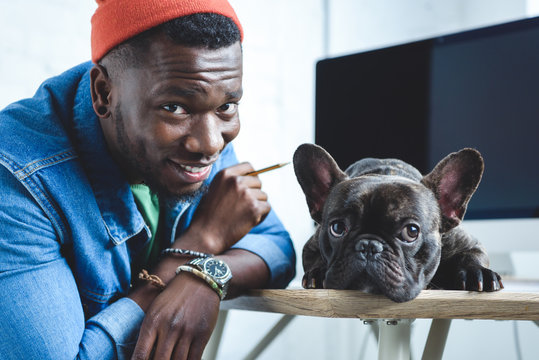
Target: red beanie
115, 21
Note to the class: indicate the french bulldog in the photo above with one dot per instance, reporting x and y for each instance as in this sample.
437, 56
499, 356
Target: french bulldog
384, 228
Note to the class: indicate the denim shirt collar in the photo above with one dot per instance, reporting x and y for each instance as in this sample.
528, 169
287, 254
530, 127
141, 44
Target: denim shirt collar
110, 187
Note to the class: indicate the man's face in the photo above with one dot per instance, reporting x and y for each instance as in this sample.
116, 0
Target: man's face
171, 118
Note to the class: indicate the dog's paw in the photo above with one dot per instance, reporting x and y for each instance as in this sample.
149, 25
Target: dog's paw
478, 278
313, 279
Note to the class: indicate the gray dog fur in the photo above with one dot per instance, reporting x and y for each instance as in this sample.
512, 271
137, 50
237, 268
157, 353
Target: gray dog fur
384, 228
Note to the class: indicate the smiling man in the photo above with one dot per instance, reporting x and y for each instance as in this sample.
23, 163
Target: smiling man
126, 217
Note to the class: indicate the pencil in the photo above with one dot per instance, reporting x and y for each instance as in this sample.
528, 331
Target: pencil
269, 168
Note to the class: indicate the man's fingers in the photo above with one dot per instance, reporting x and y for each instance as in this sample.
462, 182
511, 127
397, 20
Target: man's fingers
260, 205
238, 169
182, 349
165, 346
259, 195
252, 182
145, 342
196, 350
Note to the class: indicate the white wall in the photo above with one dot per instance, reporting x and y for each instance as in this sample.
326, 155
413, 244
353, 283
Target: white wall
38, 40
283, 41
364, 24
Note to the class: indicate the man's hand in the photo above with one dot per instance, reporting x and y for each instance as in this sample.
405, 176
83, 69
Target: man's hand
233, 205
179, 322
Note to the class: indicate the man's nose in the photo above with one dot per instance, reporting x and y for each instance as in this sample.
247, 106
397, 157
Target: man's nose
205, 136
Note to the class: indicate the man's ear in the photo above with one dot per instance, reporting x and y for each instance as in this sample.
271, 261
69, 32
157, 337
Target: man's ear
100, 89
317, 172
454, 180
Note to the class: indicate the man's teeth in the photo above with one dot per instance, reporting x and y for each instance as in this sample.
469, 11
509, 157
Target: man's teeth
193, 169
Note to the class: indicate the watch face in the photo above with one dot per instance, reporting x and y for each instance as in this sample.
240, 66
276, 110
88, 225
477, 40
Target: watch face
216, 268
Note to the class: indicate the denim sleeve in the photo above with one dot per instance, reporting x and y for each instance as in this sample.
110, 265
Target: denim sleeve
41, 315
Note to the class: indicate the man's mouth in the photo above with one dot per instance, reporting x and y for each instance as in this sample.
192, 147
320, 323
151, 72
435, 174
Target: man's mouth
192, 173
194, 169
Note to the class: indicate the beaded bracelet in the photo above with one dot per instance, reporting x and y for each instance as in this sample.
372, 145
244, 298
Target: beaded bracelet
184, 252
152, 279
203, 276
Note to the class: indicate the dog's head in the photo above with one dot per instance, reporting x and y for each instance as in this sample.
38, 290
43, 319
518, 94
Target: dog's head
380, 231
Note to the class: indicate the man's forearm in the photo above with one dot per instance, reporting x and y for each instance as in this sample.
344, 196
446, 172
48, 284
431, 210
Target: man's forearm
249, 271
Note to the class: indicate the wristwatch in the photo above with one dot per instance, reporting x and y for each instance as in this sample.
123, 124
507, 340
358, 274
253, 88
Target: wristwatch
217, 269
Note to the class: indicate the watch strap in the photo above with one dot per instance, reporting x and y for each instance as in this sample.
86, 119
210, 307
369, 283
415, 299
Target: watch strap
197, 261
207, 278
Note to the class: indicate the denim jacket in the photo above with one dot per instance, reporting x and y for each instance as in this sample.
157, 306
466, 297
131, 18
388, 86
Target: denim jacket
69, 227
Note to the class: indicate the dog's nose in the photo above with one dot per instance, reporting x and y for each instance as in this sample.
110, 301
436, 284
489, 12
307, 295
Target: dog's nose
369, 248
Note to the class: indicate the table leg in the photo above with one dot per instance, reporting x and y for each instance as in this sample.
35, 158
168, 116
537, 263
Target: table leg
270, 336
434, 347
394, 339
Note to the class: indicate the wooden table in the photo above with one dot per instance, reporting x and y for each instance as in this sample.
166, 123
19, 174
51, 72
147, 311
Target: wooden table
393, 319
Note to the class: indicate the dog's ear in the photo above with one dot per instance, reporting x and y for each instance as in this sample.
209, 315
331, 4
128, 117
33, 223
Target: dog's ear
317, 172
453, 181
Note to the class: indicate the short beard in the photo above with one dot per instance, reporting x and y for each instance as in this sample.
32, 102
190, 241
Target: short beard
188, 198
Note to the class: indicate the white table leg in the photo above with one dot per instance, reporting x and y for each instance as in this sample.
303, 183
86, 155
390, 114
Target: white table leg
394, 339
434, 347
270, 336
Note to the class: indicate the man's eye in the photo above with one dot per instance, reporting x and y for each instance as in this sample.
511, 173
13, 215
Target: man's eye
228, 108
175, 109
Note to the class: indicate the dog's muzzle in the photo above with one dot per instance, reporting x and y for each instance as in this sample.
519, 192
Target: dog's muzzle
369, 248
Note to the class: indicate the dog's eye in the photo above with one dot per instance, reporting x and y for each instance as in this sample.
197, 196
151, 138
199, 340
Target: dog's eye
337, 228
410, 233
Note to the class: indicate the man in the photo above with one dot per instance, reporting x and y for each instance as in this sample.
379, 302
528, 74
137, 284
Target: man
123, 166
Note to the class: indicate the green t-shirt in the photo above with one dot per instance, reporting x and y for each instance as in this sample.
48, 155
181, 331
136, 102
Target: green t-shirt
148, 205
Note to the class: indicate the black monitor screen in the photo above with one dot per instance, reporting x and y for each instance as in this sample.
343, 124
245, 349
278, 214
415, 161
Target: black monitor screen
423, 100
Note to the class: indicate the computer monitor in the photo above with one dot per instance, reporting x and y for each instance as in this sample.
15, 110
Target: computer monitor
422, 100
